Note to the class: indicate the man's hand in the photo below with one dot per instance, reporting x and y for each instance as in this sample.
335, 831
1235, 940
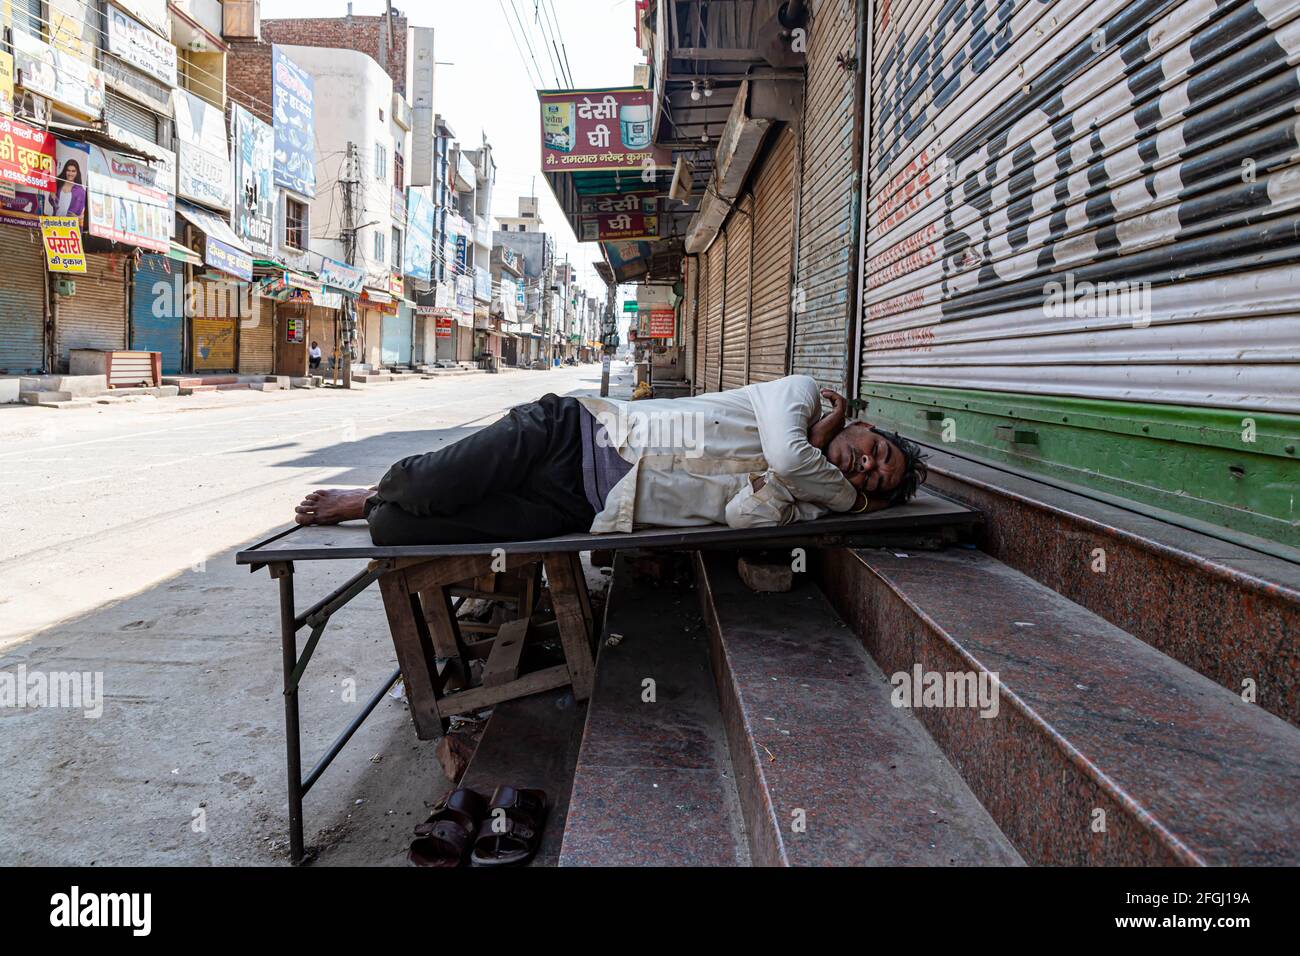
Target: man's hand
830, 424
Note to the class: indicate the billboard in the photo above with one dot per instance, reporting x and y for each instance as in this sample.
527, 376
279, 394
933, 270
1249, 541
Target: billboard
418, 254
144, 49
254, 194
131, 200
66, 79
292, 97
593, 130
203, 159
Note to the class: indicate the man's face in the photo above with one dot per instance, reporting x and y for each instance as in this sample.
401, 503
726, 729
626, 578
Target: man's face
871, 462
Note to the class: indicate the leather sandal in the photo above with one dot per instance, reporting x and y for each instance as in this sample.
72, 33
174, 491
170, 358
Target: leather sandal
443, 839
512, 829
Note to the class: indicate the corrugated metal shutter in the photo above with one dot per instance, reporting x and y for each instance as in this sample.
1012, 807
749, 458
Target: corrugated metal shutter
214, 333
257, 339
157, 298
321, 329
821, 326
712, 351
690, 341
769, 328
95, 316
735, 319
22, 295
1147, 145
397, 337
139, 120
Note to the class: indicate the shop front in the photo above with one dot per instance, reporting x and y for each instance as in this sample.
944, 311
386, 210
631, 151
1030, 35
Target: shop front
222, 298
23, 309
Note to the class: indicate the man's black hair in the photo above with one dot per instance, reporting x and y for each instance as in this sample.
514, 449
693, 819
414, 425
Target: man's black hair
914, 471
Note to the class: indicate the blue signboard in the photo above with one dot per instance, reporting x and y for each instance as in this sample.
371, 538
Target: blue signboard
292, 93
418, 254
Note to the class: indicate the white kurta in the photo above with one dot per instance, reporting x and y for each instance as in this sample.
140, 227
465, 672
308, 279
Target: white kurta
693, 459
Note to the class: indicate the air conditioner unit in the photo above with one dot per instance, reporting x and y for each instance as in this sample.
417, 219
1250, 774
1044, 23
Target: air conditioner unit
683, 181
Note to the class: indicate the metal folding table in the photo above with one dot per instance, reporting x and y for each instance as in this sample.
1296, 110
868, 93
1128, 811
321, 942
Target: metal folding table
418, 584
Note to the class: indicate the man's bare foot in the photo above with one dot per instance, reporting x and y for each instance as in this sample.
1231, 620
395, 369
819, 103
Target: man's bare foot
330, 506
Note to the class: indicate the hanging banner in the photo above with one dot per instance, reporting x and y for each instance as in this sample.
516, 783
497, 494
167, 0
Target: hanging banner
253, 168
643, 201
26, 156
203, 160
292, 96
619, 225
63, 249
661, 323
131, 200
144, 49
340, 275
152, 13
68, 80
418, 254
593, 130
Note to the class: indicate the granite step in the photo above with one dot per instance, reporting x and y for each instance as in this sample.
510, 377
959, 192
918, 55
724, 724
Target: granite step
829, 772
653, 784
1104, 751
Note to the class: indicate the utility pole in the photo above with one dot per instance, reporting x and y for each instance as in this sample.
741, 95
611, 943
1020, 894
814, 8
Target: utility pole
349, 184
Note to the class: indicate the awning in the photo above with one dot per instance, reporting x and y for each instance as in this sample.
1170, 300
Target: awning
97, 137
376, 297
182, 254
223, 250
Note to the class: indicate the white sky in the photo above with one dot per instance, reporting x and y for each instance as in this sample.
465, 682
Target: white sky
488, 89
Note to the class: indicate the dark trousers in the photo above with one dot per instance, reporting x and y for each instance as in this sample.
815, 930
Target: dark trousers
516, 480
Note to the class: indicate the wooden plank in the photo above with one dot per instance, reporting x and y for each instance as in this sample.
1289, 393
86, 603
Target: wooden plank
415, 655
503, 663
480, 697
575, 626
444, 633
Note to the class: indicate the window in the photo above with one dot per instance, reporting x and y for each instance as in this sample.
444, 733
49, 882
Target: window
295, 224
381, 163
397, 249
399, 171
380, 254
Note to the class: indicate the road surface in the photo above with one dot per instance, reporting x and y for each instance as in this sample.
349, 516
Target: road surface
116, 552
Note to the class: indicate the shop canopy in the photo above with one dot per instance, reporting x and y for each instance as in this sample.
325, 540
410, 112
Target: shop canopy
223, 250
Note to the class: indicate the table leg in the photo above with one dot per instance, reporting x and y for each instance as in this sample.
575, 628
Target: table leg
292, 740
415, 653
568, 596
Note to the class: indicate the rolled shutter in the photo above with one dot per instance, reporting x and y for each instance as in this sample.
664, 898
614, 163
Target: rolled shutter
827, 201
257, 338
773, 245
735, 322
157, 310
22, 301
94, 317
712, 354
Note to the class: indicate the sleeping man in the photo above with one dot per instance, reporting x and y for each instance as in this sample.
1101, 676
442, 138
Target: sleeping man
750, 457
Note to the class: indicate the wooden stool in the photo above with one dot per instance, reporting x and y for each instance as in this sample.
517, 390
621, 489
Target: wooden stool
434, 655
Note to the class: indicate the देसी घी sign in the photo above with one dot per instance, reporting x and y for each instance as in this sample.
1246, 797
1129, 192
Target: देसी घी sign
63, 249
593, 130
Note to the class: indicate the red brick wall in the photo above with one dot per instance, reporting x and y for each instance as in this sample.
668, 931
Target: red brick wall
367, 35
248, 77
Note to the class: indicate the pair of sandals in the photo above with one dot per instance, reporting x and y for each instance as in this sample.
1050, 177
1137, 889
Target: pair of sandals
501, 832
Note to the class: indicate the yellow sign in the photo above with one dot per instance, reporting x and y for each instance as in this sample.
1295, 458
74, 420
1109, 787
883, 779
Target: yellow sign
6, 84
63, 249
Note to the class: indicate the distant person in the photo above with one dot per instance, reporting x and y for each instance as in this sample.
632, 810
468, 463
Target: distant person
314, 354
